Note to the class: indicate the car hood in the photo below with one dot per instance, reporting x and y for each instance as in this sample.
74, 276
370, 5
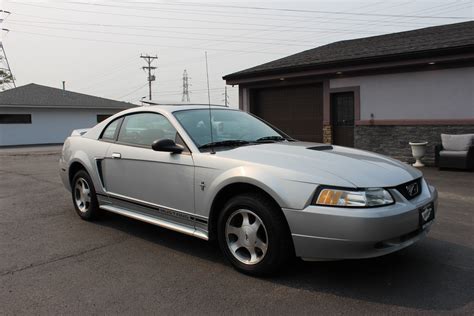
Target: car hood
310, 162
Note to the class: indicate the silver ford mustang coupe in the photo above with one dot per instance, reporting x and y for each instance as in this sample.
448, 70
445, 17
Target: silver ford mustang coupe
222, 174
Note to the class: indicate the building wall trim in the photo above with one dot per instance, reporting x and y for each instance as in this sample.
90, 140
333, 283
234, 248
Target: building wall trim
467, 121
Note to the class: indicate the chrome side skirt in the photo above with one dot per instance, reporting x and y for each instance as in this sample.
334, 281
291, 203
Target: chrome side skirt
156, 221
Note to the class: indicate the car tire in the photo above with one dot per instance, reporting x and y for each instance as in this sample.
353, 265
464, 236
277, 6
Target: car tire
253, 235
84, 197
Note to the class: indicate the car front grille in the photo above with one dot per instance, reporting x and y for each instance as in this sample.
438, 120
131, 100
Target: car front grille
410, 190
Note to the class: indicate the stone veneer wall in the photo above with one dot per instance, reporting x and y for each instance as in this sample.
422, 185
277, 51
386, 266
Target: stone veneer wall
327, 134
393, 140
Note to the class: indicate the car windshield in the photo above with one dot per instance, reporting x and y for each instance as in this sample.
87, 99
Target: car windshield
229, 128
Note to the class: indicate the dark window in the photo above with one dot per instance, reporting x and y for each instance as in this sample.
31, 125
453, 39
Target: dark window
144, 128
111, 130
342, 117
101, 117
15, 118
342, 108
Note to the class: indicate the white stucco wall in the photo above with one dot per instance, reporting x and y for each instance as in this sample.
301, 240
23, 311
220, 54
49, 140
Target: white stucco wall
47, 125
437, 94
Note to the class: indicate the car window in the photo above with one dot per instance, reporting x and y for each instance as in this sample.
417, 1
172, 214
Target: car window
144, 128
109, 132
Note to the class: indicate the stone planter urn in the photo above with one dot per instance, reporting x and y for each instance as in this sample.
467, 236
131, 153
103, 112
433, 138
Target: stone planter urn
418, 150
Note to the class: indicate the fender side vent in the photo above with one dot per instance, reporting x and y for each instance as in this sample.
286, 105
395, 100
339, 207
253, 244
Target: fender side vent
323, 147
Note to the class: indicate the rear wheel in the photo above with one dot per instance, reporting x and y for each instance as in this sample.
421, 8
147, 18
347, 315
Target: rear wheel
84, 197
253, 235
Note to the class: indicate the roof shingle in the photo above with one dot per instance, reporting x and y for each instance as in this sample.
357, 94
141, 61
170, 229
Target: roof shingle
421, 40
36, 95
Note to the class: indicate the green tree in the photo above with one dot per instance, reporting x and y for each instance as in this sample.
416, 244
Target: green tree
5, 77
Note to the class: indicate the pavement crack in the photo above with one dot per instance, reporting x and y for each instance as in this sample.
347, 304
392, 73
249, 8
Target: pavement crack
28, 176
74, 255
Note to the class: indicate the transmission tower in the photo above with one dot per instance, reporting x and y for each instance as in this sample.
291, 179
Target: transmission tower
185, 96
7, 81
226, 97
151, 77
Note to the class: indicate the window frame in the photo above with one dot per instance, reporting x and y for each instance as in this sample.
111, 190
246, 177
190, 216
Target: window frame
119, 125
276, 129
119, 128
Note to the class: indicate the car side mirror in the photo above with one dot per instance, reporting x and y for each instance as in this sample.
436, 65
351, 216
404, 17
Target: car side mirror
167, 145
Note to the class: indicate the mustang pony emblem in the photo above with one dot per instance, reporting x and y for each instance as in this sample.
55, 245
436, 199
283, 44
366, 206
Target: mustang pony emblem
426, 213
412, 189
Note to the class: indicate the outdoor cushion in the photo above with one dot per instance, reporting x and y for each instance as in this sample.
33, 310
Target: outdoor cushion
457, 142
452, 153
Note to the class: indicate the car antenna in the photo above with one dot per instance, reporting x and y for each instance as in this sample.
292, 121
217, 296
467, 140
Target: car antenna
209, 103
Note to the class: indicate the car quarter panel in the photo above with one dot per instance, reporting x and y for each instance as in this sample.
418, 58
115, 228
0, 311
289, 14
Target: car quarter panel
86, 152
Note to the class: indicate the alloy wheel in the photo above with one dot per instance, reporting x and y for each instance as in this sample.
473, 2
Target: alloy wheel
82, 195
246, 236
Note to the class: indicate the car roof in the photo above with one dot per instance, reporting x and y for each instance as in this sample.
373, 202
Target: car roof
170, 108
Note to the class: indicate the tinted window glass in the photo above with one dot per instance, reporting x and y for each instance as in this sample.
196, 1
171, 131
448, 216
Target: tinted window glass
101, 117
226, 125
109, 132
144, 128
15, 118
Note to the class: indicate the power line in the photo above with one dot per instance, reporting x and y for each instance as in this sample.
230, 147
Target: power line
432, 9
339, 21
261, 16
108, 74
151, 28
219, 22
313, 11
279, 29
133, 91
142, 44
164, 36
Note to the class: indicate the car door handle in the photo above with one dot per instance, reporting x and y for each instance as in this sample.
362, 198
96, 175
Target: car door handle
116, 155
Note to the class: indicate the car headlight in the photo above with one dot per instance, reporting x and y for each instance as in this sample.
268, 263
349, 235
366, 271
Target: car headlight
353, 198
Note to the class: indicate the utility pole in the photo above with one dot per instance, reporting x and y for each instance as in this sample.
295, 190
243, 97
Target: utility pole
151, 77
226, 97
7, 80
185, 96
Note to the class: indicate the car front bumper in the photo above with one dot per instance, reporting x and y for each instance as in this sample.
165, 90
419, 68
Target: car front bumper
325, 233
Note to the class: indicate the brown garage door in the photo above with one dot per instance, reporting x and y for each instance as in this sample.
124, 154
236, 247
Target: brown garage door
296, 110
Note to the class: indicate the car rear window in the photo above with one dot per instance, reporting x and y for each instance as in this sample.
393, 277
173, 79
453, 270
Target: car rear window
110, 130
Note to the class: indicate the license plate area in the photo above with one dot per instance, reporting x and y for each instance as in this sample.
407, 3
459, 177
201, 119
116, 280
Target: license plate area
426, 215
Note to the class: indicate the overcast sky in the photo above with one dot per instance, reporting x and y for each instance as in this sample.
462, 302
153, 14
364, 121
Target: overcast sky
95, 45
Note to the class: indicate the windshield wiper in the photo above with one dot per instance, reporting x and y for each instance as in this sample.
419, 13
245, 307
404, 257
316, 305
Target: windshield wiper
233, 142
270, 139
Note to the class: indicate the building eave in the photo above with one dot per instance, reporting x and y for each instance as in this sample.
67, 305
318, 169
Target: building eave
461, 53
31, 106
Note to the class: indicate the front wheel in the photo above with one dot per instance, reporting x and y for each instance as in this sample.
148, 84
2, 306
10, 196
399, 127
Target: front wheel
253, 235
84, 197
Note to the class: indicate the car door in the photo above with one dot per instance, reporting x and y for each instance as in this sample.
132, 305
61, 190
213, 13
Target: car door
137, 177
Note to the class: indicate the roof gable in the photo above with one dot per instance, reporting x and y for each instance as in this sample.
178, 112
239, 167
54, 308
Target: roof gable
35, 95
435, 38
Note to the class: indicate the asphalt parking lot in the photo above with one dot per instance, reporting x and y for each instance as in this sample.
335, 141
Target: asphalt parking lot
51, 262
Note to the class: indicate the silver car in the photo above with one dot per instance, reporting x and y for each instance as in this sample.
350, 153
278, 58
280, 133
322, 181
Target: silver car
219, 173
